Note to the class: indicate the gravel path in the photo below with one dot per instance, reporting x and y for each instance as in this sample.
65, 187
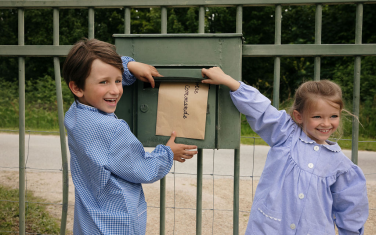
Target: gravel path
44, 153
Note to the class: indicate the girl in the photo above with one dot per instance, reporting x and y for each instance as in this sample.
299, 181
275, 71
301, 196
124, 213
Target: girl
308, 185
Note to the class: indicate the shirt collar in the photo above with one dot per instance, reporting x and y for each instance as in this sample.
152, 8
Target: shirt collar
93, 109
332, 146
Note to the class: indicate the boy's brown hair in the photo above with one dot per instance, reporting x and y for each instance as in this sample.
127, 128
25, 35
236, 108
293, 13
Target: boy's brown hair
77, 66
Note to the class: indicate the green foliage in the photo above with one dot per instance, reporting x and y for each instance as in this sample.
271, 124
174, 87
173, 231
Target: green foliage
73, 25
298, 27
37, 219
8, 26
40, 104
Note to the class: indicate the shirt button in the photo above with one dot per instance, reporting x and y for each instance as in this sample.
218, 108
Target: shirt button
301, 195
316, 148
292, 226
310, 165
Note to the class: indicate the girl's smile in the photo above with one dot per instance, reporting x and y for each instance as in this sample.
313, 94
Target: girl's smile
321, 121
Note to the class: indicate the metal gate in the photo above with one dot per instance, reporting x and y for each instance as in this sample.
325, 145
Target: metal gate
276, 51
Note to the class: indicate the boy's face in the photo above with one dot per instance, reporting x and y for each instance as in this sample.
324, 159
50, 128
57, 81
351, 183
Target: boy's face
103, 87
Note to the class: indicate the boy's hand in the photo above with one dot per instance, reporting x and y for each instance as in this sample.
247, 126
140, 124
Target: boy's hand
143, 72
216, 76
180, 150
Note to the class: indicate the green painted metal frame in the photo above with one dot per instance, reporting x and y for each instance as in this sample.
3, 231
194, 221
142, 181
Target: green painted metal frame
277, 50
285, 50
162, 207
21, 87
356, 89
165, 3
63, 144
318, 29
201, 29
134, 45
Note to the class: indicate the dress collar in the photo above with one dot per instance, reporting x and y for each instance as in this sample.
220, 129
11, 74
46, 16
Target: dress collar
93, 109
332, 146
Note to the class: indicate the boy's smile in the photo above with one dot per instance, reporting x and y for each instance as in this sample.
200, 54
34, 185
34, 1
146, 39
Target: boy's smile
321, 121
103, 87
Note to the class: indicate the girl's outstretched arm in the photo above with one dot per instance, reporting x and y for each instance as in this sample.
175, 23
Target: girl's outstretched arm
216, 76
272, 125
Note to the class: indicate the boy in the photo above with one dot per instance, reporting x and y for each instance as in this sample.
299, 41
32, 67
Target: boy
108, 163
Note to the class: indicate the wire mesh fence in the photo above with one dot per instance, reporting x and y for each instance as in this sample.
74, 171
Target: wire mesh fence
217, 174
181, 184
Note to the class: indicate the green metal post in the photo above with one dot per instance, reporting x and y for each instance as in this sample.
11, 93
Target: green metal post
199, 192
239, 19
63, 144
356, 94
201, 20
201, 29
162, 209
21, 110
162, 216
318, 28
163, 20
127, 20
91, 23
239, 29
236, 191
56, 27
277, 60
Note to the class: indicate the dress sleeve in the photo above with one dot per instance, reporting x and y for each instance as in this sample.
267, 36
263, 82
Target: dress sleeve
350, 202
129, 161
272, 125
128, 78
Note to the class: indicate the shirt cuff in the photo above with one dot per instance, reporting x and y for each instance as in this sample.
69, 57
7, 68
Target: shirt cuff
128, 77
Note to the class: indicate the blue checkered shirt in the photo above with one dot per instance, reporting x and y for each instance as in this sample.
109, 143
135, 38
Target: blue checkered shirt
305, 187
108, 166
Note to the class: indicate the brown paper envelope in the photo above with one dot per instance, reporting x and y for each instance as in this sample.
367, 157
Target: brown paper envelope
182, 108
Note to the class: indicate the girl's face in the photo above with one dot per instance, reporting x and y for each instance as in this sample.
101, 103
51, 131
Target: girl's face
320, 121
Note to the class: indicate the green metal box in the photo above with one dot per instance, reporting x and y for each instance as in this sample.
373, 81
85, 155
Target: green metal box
182, 55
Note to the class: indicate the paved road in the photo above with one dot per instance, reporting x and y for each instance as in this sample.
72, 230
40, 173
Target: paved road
43, 152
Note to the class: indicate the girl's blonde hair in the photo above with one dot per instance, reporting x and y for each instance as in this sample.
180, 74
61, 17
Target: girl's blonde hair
309, 92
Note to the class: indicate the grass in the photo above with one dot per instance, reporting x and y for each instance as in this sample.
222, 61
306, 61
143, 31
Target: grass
344, 143
38, 221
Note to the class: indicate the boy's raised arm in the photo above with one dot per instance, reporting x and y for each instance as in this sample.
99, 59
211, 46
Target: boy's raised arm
128, 77
143, 72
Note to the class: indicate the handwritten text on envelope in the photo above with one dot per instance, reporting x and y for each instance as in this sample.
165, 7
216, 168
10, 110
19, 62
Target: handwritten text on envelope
182, 108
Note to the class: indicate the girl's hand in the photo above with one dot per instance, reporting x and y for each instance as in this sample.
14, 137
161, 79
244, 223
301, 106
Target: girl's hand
216, 76
181, 151
143, 72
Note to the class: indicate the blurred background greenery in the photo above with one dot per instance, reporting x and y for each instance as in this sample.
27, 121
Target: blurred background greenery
298, 25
